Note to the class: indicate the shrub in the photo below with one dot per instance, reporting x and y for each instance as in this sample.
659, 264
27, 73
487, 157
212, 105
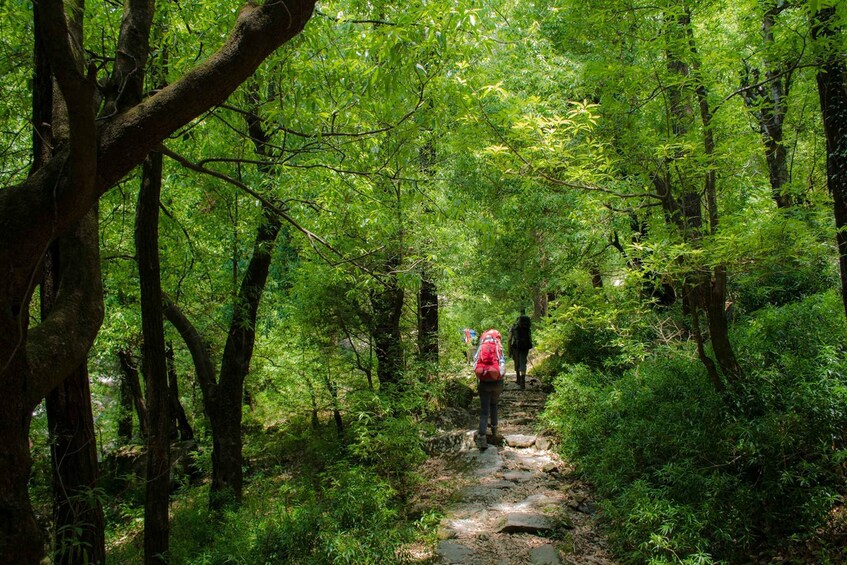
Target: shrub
688, 475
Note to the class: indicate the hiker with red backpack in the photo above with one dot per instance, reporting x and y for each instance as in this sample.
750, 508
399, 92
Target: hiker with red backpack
489, 367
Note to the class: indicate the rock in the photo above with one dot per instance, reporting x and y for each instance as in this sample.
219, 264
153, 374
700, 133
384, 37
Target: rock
458, 393
453, 552
543, 443
520, 440
518, 476
550, 468
488, 462
520, 522
586, 507
460, 440
446, 533
544, 555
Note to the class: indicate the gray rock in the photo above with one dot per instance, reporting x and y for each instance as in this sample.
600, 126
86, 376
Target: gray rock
586, 508
453, 552
520, 440
460, 440
519, 476
543, 443
544, 555
550, 468
520, 522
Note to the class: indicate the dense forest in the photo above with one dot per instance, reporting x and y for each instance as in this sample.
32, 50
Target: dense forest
239, 244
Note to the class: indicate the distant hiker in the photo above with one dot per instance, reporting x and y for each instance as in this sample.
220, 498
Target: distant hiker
489, 367
520, 342
469, 339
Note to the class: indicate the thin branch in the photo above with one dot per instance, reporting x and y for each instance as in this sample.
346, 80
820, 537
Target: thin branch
312, 237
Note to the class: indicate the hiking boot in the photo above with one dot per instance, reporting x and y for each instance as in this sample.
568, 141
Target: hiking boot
495, 438
481, 442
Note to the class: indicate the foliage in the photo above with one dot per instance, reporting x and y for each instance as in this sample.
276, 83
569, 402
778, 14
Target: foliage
684, 477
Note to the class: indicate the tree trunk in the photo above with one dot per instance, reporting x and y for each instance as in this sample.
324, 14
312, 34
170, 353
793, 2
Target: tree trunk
129, 375
223, 399
125, 427
156, 526
78, 520
181, 428
387, 307
77, 513
769, 103
225, 416
832, 92
428, 320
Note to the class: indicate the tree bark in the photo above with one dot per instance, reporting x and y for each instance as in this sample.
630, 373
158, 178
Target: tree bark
125, 426
181, 428
428, 320
78, 520
129, 375
769, 104
387, 305
832, 92
156, 526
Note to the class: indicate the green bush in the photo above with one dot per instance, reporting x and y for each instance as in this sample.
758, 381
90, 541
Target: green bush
688, 475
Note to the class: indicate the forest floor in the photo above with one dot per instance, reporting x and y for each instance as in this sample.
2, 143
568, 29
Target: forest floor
514, 502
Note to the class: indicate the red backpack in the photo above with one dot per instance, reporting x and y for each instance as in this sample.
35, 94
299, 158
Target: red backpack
488, 361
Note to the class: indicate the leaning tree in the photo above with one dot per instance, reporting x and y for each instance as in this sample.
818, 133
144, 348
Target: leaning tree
101, 148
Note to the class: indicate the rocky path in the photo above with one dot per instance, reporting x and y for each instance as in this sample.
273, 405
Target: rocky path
514, 502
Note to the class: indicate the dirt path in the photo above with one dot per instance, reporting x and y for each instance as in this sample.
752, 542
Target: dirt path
514, 502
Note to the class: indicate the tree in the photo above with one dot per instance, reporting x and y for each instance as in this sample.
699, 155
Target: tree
832, 89
51, 202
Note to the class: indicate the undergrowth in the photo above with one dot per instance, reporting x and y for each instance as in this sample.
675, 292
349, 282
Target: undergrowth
691, 476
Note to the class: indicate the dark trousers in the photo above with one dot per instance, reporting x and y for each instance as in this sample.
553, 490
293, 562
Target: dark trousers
519, 356
489, 394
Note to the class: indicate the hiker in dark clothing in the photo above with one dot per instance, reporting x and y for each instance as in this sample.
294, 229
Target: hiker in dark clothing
520, 342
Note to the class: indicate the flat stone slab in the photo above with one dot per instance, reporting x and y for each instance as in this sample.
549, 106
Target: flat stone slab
544, 555
525, 523
520, 440
453, 552
488, 461
488, 492
450, 442
519, 476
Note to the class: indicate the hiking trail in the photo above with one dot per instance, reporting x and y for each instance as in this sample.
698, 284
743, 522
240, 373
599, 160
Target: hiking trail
515, 502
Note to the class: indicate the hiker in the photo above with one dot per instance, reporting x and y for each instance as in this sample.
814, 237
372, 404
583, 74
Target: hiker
489, 367
469, 339
520, 342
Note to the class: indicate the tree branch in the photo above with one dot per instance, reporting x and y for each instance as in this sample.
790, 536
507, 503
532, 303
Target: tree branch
61, 342
197, 346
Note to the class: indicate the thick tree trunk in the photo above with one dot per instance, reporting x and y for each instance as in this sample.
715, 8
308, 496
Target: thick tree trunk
832, 92
156, 526
428, 320
78, 520
77, 513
